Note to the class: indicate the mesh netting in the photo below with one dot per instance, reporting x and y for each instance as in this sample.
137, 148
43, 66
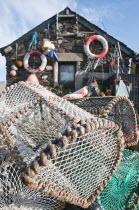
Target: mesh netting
20, 95
35, 129
62, 150
15, 98
119, 109
81, 168
133, 203
14, 195
122, 190
59, 102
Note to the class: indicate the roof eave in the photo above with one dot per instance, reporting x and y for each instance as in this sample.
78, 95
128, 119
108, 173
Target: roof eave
109, 38
83, 21
28, 35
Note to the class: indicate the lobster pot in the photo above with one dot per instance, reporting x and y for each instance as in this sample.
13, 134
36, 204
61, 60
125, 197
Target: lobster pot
25, 95
14, 195
117, 108
123, 188
62, 151
134, 95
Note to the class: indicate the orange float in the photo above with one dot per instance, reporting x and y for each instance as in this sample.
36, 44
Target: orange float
19, 63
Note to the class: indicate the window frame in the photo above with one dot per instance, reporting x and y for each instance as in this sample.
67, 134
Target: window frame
67, 84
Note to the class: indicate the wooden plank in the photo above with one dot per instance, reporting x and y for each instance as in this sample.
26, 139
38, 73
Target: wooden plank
66, 16
68, 34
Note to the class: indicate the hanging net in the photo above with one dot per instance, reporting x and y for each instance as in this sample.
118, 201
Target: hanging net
122, 190
119, 109
63, 151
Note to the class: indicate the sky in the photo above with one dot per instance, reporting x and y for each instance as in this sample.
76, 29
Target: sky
119, 18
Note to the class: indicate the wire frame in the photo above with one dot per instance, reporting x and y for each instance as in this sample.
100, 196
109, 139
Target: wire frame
61, 149
117, 108
14, 194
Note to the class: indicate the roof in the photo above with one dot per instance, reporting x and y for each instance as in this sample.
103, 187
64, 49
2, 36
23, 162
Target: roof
81, 20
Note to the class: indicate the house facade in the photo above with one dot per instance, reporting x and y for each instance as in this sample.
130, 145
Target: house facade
67, 31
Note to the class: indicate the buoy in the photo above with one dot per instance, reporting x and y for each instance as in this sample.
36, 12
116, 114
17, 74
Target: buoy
41, 67
13, 73
78, 94
83, 91
33, 79
73, 96
19, 63
103, 42
47, 45
49, 68
14, 67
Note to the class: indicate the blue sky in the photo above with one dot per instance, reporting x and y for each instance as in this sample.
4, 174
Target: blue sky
119, 17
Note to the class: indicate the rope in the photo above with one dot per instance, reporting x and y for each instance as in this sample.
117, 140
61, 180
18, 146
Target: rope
16, 47
48, 31
33, 41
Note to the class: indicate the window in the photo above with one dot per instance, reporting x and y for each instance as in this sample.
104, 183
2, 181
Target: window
67, 74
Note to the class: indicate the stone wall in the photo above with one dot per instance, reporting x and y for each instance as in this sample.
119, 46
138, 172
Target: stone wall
69, 42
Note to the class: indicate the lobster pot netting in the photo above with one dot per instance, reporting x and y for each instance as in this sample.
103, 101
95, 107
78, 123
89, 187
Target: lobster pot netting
35, 129
117, 108
20, 95
63, 151
79, 169
14, 195
122, 190
41, 118
15, 98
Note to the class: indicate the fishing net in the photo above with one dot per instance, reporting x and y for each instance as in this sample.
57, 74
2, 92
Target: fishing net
133, 203
122, 190
14, 195
63, 151
20, 95
119, 109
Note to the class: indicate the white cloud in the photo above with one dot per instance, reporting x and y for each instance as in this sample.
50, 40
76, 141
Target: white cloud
18, 17
98, 14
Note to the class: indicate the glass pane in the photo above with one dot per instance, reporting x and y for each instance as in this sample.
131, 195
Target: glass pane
66, 73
